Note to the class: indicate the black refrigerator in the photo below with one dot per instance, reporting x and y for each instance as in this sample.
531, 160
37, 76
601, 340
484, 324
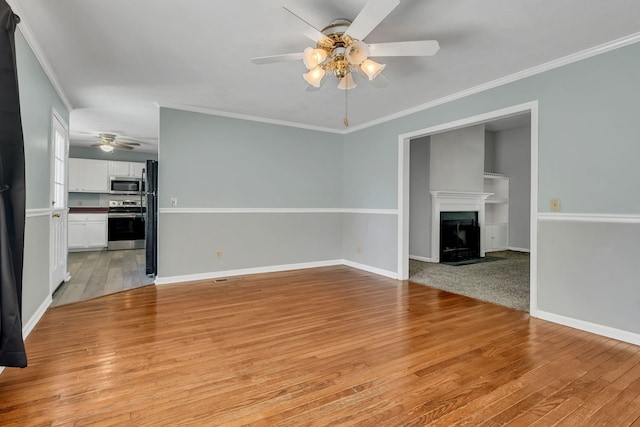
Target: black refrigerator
151, 217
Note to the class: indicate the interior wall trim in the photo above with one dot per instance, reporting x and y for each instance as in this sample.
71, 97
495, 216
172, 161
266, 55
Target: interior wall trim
547, 66
586, 217
421, 258
244, 271
32, 213
274, 210
594, 328
271, 269
26, 31
33, 321
258, 119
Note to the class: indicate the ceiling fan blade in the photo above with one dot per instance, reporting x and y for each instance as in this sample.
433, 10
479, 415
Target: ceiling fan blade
120, 145
127, 143
96, 145
277, 58
416, 48
370, 16
309, 30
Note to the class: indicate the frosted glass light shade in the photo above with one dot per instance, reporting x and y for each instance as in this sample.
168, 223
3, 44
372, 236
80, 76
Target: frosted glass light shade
106, 148
347, 83
314, 77
313, 57
372, 68
357, 52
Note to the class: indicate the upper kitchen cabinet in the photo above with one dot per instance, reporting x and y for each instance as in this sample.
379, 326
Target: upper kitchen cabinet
88, 176
126, 169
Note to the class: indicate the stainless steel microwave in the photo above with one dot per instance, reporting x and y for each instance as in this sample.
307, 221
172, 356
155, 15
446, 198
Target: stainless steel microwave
125, 185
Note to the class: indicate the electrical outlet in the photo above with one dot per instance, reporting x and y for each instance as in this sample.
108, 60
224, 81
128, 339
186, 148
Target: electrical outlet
555, 205
359, 249
174, 202
218, 254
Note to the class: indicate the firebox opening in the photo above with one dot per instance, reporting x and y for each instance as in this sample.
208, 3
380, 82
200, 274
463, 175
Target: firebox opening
459, 236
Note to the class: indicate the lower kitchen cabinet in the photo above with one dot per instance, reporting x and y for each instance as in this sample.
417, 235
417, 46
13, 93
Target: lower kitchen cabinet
87, 231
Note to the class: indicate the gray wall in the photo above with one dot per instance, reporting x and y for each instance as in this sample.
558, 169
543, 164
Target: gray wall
457, 160
243, 164
489, 152
37, 98
188, 242
420, 199
586, 113
116, 155
589, 271
513, 158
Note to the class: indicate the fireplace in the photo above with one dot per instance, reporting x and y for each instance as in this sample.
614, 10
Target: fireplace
459, 236
455, 201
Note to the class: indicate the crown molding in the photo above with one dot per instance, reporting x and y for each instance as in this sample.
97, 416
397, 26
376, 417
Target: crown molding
212, 112
538, 69
25, 29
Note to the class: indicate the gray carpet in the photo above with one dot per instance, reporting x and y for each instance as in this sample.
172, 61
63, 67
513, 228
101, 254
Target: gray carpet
505, 281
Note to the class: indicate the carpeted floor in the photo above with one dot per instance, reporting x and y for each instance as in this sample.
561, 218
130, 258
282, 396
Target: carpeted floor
504, 281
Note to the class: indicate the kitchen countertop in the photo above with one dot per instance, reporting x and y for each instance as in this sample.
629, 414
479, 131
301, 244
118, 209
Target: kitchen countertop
87, 210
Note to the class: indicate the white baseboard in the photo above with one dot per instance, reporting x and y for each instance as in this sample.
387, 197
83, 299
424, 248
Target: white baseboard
375, 270
272, 269
244, 271
607, 331
422, 258
513, 248
33, 321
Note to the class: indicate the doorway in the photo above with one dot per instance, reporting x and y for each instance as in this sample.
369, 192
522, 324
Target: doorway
58, 191
404, 177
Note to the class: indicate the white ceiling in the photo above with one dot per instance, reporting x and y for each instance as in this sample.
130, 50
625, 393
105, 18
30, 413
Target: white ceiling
117, 60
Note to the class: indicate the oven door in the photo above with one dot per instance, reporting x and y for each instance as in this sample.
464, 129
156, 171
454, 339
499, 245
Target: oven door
126, 231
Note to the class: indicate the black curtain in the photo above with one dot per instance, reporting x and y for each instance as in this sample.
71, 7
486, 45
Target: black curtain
12, 197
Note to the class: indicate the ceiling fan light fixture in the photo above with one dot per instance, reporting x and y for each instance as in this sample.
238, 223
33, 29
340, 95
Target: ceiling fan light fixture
106, 148
314, 76
372, 68
313, 57
347, 82
357, 52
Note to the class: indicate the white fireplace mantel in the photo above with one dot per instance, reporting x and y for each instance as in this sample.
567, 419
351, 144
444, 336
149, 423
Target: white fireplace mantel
455, 201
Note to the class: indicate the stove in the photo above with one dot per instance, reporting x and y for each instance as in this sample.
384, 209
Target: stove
126, 224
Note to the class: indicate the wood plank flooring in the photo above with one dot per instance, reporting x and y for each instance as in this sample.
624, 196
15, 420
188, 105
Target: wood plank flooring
330, 346
98, 273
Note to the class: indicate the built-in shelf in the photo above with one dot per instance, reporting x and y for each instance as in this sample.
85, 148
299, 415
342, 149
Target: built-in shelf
496, 229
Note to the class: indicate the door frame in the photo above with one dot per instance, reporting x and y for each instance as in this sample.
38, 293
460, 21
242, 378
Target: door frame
56, 117
403, 187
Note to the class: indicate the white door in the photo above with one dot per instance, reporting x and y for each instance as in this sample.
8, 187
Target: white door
58, 240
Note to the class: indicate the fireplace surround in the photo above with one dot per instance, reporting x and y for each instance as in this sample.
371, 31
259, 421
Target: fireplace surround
455, 201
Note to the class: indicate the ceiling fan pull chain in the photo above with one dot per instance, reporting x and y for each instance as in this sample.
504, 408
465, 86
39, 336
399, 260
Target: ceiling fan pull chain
346, 116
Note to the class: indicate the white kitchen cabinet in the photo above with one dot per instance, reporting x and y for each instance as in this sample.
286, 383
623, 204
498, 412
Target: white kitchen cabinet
496, 213
126, 169
87, 231
119, 169
136, 169
88, 176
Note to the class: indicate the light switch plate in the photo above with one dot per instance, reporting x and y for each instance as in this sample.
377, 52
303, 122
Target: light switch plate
174, 202
555, 205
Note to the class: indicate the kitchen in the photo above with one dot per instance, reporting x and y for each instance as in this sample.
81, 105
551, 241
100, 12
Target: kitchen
111, 230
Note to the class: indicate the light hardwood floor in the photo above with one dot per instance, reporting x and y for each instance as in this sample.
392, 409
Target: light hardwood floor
331, 346
98, 273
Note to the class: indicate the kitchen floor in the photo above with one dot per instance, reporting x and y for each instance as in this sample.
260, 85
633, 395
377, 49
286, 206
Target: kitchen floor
98, 273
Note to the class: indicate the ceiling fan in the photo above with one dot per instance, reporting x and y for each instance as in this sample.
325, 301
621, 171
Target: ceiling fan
108, 143
341, 50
